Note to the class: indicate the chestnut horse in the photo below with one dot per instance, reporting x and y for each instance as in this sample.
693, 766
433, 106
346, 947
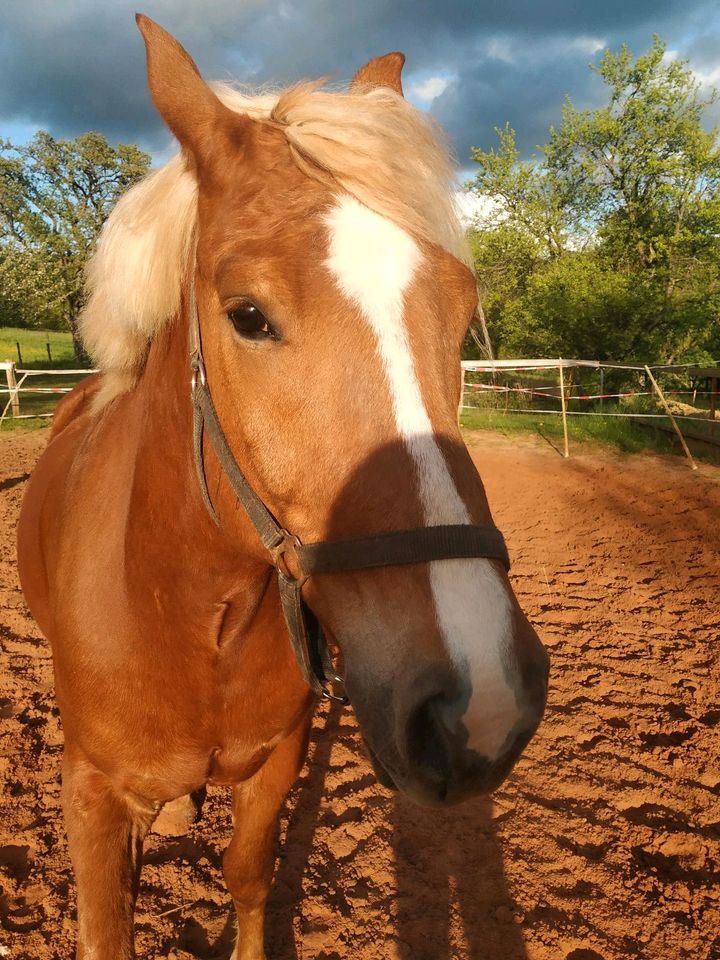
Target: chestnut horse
312, 237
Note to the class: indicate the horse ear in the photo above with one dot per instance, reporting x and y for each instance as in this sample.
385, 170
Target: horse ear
381, 72
182, 98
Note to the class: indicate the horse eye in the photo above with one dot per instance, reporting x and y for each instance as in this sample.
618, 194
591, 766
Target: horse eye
249, 322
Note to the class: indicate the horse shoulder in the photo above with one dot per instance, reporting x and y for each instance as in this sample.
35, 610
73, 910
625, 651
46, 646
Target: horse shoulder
45, 503
75, 403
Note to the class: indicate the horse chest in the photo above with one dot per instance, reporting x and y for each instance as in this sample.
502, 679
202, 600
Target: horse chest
260, 700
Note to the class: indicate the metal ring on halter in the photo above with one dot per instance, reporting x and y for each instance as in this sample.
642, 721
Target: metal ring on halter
289, 543
329, 695
198, 372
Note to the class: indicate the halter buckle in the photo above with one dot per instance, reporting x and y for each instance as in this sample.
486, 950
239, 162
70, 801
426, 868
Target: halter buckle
288, 544
198, 372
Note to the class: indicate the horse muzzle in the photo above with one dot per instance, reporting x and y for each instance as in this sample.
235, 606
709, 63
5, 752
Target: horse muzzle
419, 744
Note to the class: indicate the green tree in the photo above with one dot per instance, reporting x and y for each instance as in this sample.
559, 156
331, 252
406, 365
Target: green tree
506, 256
577, 300
526, 195
628, 197
32, 288
54, 198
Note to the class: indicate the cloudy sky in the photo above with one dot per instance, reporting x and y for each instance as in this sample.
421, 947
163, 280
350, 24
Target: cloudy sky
74, 65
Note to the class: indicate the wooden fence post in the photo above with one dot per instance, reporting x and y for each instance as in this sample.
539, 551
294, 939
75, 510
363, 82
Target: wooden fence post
672, 418
564, 409
462, 394
12, 387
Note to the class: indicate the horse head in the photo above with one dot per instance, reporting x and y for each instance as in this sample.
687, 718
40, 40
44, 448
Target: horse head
333, 294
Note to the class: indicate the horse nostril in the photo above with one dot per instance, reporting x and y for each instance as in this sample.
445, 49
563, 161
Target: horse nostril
427, 742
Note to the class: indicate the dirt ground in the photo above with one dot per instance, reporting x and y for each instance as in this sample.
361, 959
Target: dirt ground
604, 843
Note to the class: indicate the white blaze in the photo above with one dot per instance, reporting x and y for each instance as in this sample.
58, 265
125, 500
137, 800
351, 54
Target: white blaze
373, 262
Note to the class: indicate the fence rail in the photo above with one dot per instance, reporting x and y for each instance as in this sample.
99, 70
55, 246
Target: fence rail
15, 387
565, 392
19, 383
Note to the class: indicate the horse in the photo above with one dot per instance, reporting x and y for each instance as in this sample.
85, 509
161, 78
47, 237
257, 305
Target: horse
264, 493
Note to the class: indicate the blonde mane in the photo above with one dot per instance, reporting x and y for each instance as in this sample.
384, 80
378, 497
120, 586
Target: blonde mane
371, 142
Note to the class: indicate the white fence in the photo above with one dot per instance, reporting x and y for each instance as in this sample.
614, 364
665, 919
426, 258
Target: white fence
16, 378
20, 381
562, 394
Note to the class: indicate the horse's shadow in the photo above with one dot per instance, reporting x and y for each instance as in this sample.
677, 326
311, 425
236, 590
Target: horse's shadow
448, 871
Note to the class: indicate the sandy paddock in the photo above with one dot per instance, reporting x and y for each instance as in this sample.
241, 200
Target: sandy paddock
603, 845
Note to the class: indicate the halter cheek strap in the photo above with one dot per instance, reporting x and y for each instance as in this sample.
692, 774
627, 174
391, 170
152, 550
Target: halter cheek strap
396, 548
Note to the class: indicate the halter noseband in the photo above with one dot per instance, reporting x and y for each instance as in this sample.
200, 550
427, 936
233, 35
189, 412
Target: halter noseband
398, 548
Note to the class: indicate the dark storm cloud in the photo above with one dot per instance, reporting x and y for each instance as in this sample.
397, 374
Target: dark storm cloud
489, 93
69, 70
705, 50
76, 65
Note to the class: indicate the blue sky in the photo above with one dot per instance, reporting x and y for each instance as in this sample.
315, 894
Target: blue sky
74, 65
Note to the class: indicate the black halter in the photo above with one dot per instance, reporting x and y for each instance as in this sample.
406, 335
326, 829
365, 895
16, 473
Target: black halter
398, 548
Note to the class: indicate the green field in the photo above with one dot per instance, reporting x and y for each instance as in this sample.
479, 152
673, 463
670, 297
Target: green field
627, 436
36, 403
33, 348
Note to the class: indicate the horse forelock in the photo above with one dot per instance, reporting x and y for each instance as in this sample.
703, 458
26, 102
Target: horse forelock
371, 144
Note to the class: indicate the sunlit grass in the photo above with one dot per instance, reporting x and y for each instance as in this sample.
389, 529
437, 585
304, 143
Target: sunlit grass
625, 435
34, 353
33, 348
24, 426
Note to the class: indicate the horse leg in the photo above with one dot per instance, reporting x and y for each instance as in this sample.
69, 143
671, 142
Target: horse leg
248, 863
105, 830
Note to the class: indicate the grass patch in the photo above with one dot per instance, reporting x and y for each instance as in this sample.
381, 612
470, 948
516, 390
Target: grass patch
624, 435
33, 348
24, 426
34, 352
36, 403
